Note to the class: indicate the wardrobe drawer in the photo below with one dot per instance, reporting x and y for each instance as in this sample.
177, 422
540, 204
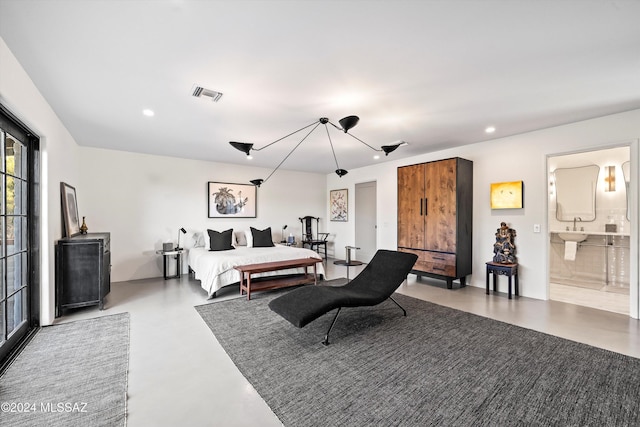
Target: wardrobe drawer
434, 262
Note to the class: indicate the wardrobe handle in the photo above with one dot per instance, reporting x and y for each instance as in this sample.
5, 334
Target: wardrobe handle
425, 207
421, 206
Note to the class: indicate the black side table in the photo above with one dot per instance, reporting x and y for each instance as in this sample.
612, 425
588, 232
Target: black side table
178, 257
348, 263
498, 269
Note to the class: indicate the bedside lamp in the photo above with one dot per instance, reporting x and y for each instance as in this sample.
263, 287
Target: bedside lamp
282, 238
183, 231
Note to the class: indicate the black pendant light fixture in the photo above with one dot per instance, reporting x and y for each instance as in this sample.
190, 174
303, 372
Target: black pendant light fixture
346, 124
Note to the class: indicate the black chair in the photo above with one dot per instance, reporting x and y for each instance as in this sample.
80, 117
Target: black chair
379, 279
316, 241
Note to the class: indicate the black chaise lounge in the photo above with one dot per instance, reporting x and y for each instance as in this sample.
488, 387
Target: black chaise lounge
379, 279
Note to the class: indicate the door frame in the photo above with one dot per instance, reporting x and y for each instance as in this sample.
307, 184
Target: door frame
357, 217
22, 335
634, 232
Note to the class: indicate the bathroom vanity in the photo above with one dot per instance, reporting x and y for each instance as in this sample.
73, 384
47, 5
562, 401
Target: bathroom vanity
597, 257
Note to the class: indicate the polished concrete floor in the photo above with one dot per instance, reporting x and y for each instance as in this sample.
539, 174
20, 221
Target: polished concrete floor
180, 375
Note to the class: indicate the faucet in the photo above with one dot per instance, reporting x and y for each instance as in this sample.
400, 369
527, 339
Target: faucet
576, 218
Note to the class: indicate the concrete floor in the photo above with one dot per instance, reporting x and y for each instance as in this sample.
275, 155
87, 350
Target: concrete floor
180, 375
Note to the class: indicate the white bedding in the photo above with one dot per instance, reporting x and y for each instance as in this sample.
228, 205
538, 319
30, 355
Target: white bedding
215, 269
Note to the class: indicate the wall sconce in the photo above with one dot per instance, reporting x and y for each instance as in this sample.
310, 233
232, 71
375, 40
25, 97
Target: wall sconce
609, 178
183, 231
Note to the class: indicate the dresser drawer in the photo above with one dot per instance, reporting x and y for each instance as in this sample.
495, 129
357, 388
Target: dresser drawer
434, 262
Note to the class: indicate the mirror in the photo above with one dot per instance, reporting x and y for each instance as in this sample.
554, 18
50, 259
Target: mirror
626, 171
576, 193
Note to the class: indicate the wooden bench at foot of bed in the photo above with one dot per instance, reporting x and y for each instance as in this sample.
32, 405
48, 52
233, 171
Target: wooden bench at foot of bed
277, 282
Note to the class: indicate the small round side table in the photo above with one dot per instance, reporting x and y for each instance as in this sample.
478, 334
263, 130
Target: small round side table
348, 263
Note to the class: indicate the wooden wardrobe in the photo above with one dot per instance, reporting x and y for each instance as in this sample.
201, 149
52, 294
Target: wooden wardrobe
435, 216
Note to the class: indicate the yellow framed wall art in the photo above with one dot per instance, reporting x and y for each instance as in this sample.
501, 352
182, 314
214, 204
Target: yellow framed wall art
507, 195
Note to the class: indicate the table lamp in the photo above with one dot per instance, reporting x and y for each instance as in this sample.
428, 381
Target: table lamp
183, 231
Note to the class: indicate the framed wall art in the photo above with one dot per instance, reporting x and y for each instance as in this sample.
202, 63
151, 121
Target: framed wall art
69, 210
339, 205
226, 200
507, 195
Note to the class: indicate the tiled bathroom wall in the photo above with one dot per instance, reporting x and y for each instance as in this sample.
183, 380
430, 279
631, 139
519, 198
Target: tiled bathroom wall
604, 215
599, 261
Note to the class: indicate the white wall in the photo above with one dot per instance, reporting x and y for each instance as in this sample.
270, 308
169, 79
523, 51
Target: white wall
143, 200
59, 162
520, 157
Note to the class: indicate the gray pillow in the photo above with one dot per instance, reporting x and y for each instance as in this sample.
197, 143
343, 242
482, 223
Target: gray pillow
262, 239
220, 241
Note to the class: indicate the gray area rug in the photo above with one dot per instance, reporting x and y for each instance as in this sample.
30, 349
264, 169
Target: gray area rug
437, 366
72, 374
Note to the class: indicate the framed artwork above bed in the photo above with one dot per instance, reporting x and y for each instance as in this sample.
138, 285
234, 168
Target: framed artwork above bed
227, 200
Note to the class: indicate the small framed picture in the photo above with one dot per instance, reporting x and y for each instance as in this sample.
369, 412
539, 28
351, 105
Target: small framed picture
226, 200
69, 210
339, 205
507, 195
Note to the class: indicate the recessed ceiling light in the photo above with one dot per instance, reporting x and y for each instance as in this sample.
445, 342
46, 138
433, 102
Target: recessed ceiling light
490, 129
147, 112
249, 157
376, 157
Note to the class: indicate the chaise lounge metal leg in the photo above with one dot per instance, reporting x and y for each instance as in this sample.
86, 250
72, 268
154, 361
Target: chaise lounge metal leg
326, 337
403, 310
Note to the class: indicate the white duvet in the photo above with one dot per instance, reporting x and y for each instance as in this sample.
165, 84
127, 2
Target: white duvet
215, 269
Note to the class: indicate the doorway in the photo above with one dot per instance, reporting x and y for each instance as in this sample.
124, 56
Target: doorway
366, 220
590, 229
19, 239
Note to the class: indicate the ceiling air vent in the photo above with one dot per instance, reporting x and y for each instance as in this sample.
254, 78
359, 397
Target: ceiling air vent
200, 92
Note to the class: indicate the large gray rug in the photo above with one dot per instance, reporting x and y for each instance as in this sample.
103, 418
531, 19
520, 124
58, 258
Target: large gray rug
437, 366
72, 374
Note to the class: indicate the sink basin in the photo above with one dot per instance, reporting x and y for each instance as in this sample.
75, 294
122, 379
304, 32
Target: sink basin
573, 237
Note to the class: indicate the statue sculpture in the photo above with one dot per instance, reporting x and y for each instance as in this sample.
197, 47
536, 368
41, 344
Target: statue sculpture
504, 249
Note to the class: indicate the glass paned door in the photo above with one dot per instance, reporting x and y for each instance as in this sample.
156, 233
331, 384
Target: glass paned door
13, 236
19, 235
13, 213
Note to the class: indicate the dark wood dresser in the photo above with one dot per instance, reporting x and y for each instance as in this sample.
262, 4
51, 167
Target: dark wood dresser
83, 271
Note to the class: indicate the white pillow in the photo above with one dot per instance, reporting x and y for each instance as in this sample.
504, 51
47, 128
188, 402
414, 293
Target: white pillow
198, 239
240, 238
207, 240
249, 238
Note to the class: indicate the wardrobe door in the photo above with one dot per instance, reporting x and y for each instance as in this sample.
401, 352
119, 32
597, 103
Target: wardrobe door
411, 206
440, 206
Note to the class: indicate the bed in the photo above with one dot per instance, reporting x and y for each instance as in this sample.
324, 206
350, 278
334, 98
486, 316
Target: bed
215, 269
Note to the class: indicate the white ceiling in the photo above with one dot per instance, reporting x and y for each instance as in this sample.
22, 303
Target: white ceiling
432, 73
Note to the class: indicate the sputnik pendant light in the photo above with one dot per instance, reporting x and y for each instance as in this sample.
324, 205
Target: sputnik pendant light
346, 124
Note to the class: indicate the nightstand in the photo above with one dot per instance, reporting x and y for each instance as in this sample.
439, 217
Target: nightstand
166, 256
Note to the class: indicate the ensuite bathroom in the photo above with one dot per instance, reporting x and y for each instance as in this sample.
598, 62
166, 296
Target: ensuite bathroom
589, 228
